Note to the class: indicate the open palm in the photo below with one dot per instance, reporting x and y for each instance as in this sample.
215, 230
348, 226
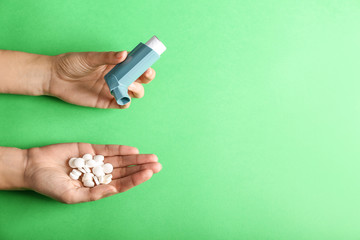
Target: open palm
78, 78
47, 170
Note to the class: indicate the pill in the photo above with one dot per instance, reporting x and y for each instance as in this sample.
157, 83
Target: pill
72, 162
76, 172
96, 180
73, 176
79, 162
99, 163
82, 170
89, 184
99, 158
107, 179
90, 163
87, 177
101, 179
87, 156
87, 169
98, 171
108, 168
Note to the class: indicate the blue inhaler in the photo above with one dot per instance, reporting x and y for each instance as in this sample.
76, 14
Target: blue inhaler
137, 62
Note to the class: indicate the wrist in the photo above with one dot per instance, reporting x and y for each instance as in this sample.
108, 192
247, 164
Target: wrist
50, 86
24, 73
13, 163
47, 64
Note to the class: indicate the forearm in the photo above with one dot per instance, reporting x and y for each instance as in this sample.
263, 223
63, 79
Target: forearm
12, 168
24, 73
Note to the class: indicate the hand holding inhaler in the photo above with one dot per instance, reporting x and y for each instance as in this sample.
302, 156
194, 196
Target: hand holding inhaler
136, 63
78, 77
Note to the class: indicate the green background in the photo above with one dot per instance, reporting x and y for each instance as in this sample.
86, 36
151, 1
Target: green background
254, 114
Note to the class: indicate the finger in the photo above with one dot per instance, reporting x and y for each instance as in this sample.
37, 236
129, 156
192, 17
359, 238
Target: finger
114, 150
124, 161
147, 76
136, 90
84, 194
126, 183
126, 171
102, 191
95, 59
113, 104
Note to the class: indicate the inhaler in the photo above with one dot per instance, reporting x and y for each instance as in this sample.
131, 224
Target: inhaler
137, 62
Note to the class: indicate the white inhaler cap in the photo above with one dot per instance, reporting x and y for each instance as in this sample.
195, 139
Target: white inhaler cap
156, 45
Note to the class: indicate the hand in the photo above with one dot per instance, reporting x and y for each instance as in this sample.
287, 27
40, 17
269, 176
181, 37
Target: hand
78, 78
47, 170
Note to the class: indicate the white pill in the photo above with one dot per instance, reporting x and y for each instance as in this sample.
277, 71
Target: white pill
82, 170
89, 184
99, 163
90, 163
87, 156
87, 177
107, 179
72, 162
96, 180
79, 162
87, 169
99, 158
101, 179
98, 171
73, 176
108, 168
76, 172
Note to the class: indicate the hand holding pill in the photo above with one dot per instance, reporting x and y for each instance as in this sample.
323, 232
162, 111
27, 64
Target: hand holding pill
58, 171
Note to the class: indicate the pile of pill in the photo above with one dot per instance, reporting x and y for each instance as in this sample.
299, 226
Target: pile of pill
92, 168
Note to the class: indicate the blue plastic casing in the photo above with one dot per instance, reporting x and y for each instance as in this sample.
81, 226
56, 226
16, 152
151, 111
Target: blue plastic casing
123, 74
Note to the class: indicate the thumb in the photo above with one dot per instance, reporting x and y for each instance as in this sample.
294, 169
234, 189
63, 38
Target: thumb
96, 59
102, 191
84, 194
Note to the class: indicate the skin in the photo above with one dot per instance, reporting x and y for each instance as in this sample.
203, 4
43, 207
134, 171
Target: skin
45, 170
77, 78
